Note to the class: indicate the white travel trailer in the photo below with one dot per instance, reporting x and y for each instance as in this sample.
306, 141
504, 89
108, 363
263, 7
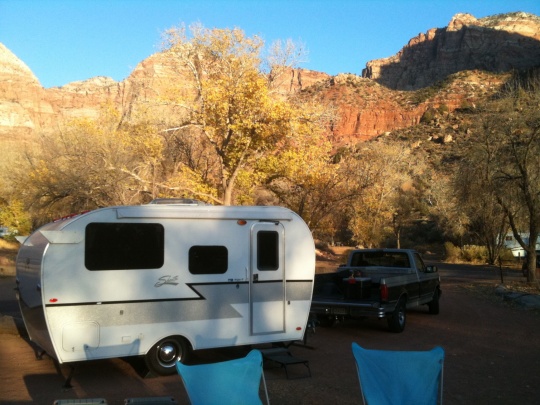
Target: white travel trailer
161, 280
510, 242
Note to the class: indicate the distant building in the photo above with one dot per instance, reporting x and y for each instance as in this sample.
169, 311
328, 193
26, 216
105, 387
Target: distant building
4, 231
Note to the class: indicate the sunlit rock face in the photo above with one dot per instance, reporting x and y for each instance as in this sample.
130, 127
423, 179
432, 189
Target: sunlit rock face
495, 44
365, 107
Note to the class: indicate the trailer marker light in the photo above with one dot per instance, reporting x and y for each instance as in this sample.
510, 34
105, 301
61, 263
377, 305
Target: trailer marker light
53, 300
298, 328
241, 222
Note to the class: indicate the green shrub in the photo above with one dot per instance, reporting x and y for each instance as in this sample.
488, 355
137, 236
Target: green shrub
475, 254
443, 109
453, 253
429, 115
466, 105
468, 253
506, 255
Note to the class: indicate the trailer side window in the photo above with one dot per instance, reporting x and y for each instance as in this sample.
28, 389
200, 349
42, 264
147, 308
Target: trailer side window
124, 246
267, 250
208, 259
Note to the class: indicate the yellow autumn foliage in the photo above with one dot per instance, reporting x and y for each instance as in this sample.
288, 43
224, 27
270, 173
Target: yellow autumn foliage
231, 106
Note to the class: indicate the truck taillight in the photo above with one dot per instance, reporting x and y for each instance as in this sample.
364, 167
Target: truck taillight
384, 292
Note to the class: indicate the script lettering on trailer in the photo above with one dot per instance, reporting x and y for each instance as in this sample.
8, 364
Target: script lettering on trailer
167, 280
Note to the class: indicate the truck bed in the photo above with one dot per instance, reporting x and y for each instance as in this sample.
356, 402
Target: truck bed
376, 282
341, 286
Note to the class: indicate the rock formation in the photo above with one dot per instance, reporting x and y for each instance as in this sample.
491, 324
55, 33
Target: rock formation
366, 107
21, 101
495, 44
26, 108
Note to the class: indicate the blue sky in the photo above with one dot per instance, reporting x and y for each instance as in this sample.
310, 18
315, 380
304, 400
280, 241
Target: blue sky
68, 40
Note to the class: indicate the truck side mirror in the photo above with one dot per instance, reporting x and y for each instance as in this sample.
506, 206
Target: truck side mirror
431, 269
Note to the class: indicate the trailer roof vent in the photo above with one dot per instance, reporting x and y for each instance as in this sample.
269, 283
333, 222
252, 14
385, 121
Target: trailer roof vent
178, 201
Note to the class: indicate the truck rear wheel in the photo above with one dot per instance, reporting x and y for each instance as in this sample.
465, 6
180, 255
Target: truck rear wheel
398, 319
162, 357
327, 321
434, 304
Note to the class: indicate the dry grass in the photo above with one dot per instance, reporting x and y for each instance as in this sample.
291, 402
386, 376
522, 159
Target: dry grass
8, 254
4, 244
488, 292
8, 247
523, 287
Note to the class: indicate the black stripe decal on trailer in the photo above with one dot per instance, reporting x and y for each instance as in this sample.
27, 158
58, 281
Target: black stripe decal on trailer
190, 285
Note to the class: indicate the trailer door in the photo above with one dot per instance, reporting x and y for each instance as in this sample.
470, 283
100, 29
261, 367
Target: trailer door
267, 278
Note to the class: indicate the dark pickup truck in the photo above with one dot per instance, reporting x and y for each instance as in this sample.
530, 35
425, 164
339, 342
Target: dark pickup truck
376, 283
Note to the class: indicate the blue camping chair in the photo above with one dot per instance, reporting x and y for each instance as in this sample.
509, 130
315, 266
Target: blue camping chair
399, 377
232, 382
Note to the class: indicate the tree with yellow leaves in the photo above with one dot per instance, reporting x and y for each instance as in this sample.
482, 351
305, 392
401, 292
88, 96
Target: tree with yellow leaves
88, 164
384, 170
230, 122
74, 169
229, 107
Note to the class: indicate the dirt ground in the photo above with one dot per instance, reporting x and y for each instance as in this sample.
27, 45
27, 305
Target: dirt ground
491, 357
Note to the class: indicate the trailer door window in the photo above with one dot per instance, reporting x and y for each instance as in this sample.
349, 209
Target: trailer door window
124, 246
267, 250
208, 259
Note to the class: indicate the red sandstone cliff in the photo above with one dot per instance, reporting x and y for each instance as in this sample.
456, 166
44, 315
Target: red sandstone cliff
26, 108
366, 107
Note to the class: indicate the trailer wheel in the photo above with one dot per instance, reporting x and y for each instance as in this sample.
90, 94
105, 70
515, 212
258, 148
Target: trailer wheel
398, 319
162, 357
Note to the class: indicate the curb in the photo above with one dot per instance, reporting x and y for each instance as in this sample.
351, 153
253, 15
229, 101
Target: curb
524, 300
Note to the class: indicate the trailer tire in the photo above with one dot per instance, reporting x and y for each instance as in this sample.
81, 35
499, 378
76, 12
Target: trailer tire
433, 305
162, 357
398, 319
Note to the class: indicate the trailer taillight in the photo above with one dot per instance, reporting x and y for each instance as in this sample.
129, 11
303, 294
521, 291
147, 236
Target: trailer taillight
384, 292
